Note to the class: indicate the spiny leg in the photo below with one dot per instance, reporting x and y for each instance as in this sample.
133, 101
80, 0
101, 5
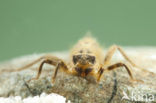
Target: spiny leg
24, 67
60, 65
49, 59
109, 55
100, 72
112, 50
55, 62
114, 66
31, 64
40, 69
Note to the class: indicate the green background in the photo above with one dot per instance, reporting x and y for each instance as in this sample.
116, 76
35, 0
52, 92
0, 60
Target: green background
33, 26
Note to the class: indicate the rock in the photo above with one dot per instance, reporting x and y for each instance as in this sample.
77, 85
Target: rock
114, 87
43, 98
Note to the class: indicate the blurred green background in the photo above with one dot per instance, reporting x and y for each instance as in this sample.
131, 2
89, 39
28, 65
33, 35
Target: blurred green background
36, 26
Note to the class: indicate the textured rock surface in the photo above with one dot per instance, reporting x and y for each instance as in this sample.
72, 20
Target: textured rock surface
112, 88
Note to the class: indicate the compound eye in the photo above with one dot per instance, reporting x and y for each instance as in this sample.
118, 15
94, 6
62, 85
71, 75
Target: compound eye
91, 59
76, 58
